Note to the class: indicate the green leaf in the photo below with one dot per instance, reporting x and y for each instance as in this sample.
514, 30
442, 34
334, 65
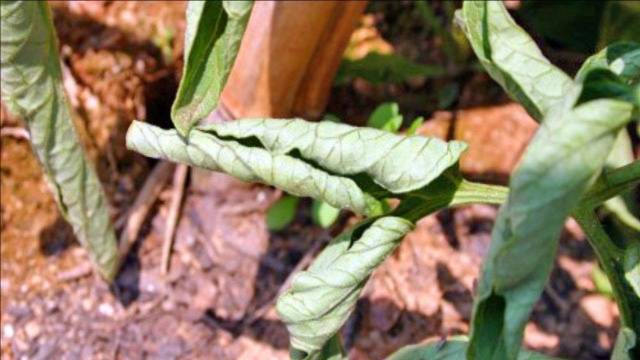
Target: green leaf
212, 40
332, 350
625, 341
32, 88
282, 213
320, 298
572, 26
384, 68
323, 214
345, 166
415, 125
631, 264
563, 159
386, 117
622, 58
511, 57
620, 21
602, 283
453, 348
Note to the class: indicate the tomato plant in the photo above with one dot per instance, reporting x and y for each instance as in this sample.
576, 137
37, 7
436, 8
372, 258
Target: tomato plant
565, 171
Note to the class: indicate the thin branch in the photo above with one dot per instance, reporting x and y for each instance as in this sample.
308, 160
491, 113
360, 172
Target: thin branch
141, 206
179, 180
611, 258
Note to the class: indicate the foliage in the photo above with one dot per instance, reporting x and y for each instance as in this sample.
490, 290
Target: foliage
384, 68
453, 348
282, 213
212, 40
32, 88
559, 175
568, 152
577, 161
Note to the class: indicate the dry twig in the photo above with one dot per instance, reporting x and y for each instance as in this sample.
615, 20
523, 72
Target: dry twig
141, 206
179, 179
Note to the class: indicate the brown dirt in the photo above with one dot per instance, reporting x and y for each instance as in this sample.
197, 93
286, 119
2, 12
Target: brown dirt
226, 265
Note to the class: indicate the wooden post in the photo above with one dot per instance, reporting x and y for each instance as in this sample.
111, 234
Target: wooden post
288, 58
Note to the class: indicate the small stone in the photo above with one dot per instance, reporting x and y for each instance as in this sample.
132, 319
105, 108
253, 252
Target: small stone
599, 309
32, 329
8, 331
87, 304
106, 309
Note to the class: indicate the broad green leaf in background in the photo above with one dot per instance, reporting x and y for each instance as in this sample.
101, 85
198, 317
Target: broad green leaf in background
320, 298
563, 159
32, 88
282, 213
386, 117
212, 40
620, 21
453, 348
384, 68
511, 57
572, 26
323, 214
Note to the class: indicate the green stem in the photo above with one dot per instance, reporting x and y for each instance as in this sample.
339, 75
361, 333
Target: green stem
449, 191
611, 259
612, 183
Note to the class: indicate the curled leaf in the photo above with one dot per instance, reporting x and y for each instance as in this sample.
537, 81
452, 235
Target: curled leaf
321, 298
32, 87
336, 163
511, 57
397, 163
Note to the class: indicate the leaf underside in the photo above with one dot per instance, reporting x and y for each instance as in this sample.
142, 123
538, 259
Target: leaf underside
32, 88
345, 166
580, 122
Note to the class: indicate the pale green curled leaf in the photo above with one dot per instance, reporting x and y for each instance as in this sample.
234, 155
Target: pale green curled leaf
386, 117
625, 341
397, 163
282, 213
32, 88
323, 214
332, 350
565, 156
511, 57
335, 163
319, 300
212, 41
453, 348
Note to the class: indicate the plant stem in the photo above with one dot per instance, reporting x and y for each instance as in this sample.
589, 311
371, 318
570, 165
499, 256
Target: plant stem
612, 183
449, 191
472, 192
611, 259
